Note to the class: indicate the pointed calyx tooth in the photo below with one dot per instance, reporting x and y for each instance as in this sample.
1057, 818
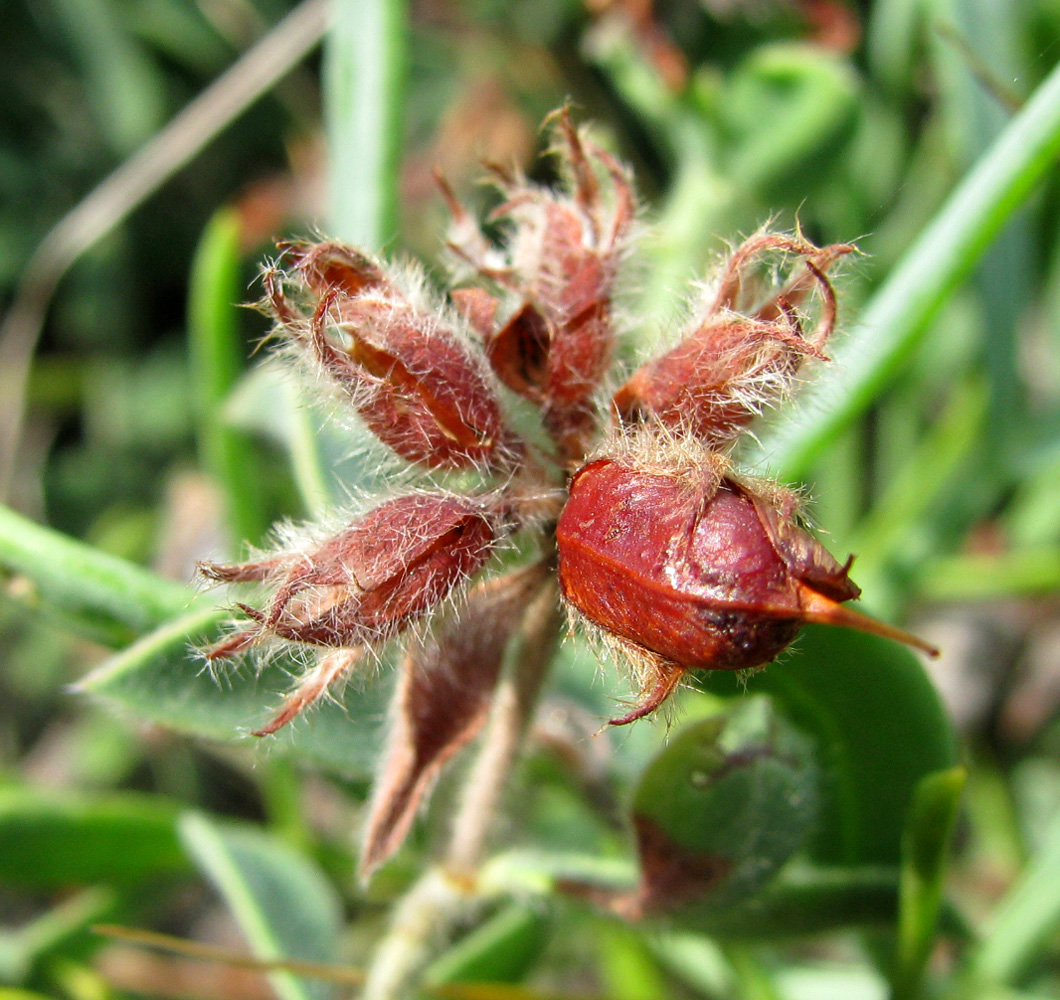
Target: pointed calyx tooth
366, 582
423, 388
333, 267
702, 572
442, 701
731, 363
329, 669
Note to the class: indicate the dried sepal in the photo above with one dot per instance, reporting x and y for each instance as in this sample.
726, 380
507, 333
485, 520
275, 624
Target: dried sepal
744, 346
696, 570
421, 385
442, 700
331, 266
367, 581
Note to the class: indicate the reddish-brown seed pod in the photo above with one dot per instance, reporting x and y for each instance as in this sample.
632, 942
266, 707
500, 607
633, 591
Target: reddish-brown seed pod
416, 384
422, 387
729, 366
560, 261
717, 379
369, 580
702, 573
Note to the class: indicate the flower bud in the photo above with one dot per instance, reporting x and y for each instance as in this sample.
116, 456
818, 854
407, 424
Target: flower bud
696, 571
368, 581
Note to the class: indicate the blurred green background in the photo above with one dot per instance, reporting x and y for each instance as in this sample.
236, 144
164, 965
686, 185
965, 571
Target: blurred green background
151, 151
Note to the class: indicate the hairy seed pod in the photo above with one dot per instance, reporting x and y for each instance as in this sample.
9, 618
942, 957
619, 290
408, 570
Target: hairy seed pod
561, 261
369, 580
416, 385
702, 572
423, 388
729, 365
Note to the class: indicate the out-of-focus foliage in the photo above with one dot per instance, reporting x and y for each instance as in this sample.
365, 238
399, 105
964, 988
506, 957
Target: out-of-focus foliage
151, 438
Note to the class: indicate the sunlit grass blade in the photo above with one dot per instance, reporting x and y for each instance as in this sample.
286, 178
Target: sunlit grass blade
1026, 918
900, 313
281, 902
925, 846
364, 72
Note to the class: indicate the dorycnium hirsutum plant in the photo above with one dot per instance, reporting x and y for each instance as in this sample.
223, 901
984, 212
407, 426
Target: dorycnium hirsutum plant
624, 501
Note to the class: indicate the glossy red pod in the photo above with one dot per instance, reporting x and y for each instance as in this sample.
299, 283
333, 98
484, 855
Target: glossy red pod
704, 573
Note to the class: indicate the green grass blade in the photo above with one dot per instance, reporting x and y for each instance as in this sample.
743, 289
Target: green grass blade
899, 314
1026, 918
925, 846
95, 593
281, 902
364, 71
979, 576
218, 358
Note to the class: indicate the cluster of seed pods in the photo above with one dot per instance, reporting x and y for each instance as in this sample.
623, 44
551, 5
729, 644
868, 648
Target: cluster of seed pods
661, 548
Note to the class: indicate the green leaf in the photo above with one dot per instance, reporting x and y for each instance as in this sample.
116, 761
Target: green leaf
900, 313
160, 678
502, 950
802, 902
282, 903
879, 726
56, 839
925, 847
740, 789
96, 594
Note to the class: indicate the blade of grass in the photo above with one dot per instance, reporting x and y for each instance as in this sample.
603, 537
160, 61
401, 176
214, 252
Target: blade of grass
900, 313
281, 902
217, 358
364, 73
99, 594
911, 493
110, 203
1025, 920
1020, 573
925, 846
124, 89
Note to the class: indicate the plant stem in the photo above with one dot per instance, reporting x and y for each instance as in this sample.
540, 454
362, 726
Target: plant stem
446, 896
513, 708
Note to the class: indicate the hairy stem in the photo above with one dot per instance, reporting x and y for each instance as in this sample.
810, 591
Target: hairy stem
446, 895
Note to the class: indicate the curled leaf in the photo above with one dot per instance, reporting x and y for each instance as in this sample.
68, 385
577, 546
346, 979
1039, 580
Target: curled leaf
717, 813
